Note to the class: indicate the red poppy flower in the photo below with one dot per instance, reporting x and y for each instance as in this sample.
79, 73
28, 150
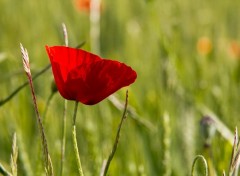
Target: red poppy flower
83, 4
85, 77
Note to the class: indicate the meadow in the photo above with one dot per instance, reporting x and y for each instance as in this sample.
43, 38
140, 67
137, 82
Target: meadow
185, 101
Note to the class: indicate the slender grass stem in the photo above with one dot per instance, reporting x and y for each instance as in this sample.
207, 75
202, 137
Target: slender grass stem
63, 137
132, 114
43, 137
48, 164
115, 145
234, 164
95, 16
224, 174
74, 137
204, 162
166, 144
65, 34
2, 102
14, 155
234, 150
3, 171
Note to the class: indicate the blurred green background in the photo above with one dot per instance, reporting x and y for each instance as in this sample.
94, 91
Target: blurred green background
186, 54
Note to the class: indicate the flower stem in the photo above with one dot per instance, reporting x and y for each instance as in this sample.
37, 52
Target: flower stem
75, 113
74, 137
115, 145
63, 137
65, 34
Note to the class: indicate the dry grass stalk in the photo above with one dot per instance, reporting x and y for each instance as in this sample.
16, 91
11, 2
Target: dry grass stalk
47, 159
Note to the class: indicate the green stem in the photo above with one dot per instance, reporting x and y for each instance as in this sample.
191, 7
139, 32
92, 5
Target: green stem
75, 113
74, 137
3, 171
65, 34
115, 145
63, 137
14, 155
204, 162
132, 114
2, 102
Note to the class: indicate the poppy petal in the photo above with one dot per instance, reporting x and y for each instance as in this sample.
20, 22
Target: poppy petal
85, 77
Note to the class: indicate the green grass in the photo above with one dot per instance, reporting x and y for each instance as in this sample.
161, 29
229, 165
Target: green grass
158, 39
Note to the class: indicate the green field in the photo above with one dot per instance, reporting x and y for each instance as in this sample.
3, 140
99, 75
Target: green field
178, 84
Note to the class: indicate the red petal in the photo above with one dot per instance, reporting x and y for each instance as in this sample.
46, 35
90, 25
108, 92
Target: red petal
69, 58
86, 77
